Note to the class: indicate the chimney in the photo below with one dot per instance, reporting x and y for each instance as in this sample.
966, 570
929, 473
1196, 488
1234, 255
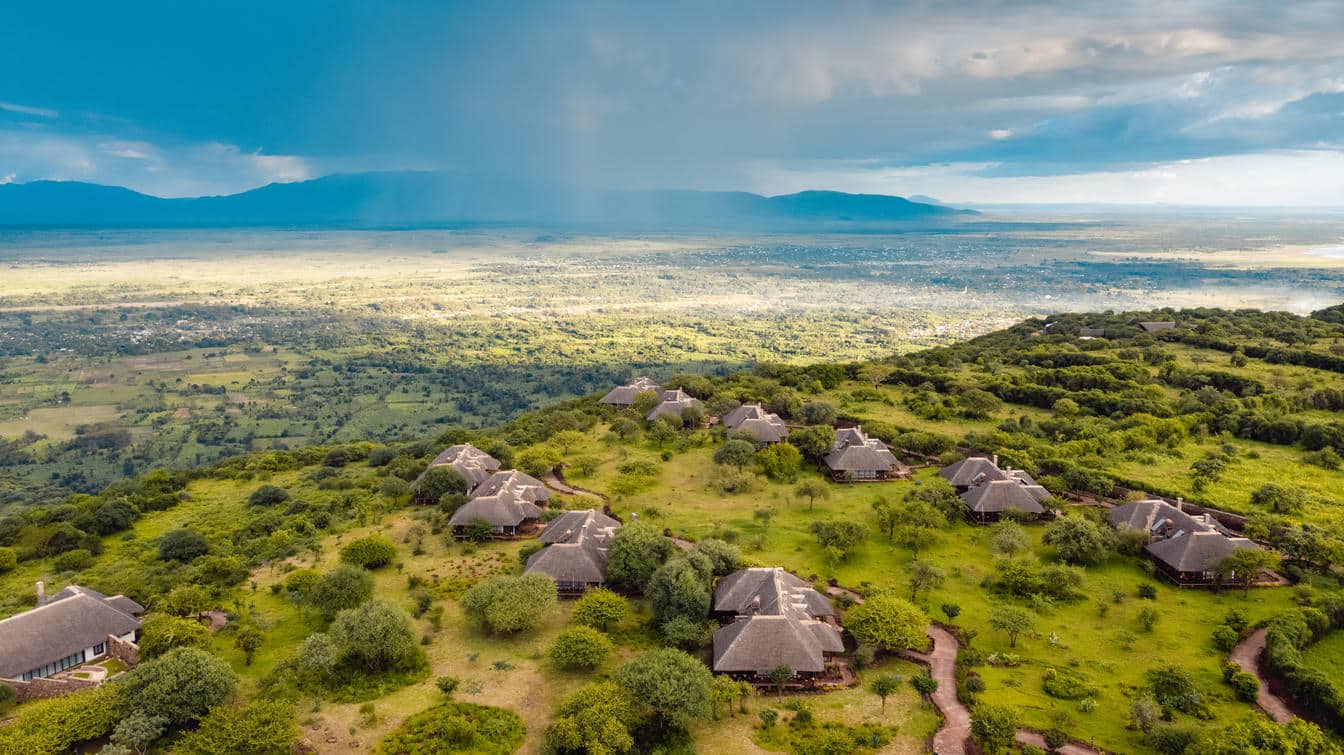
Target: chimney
41, 593
994, 459
755, 605
1180, 503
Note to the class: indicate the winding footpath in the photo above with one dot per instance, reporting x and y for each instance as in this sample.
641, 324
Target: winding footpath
1247, 655
952, 737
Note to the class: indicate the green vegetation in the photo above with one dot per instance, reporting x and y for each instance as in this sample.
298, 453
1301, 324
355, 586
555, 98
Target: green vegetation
457, 727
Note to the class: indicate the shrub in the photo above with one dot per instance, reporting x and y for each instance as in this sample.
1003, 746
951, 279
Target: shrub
994, 726
9, 559
370, 552
377, 635
1225, 637
161, 633
889, 622
267, 495
180, 685
579, 648
341, 588
73, 560
1066, 685
258, 728
182, 545
600, 608
456, 727
509, 604
1245, 686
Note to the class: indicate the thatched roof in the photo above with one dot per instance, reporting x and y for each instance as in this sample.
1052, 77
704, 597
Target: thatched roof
998, 496
527, 486
769, 590
1152, 327
671, 403
1160, 519
767, 429
861, 458
967, 472
577, 547
625, 395
507, 509
72, 620
471, 462
1197, 551
760, 644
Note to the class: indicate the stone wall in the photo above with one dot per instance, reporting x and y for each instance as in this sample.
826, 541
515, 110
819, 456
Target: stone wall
124, 651
41, 689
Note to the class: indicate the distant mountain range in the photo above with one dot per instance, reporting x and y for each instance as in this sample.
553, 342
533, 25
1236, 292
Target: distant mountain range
440, 199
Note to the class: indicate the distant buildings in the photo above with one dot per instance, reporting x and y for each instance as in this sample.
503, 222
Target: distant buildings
1186, 549
623, 397
1153, 327
989, 491
773, 619
471, 462
857, 458
754, 422
510, 502
671, 404
575, 555
73, 626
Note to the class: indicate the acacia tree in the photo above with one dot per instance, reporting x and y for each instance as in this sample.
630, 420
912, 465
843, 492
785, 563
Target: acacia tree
924, 576
1079, 540
1013, 621
1244, 565
780, 675
812, 490
916, 525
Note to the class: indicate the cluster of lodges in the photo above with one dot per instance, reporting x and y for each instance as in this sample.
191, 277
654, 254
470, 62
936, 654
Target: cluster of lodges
854, 457
509, 501
1185, 548
671, 403
989, 491
74, 626
772, 619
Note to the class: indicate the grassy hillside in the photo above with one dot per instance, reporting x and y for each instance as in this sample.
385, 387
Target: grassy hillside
1142, 410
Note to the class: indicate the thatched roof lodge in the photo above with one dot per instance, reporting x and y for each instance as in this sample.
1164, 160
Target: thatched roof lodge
856, 457
752, 420
624, 396
1185, 548
575, 555
774, 619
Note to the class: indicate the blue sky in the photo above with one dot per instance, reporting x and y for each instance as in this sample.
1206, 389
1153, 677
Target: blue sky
1193, 103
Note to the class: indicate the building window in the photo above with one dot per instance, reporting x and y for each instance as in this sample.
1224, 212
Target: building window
74, 659
100, 648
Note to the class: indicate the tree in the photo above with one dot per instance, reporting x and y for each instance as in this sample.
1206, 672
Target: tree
678, 589
302, 582
977, 404
1174, 688
138, 731
994, 726
625, 428
672, 684
685, 632
600, 608
876, 373
916, 525
180, 685
1144, 714
1078, 540
951, 611
726, 558
1008, 539
262, 727
814, 441
370, 552
940, 494
664, 429
838, 536
1148, 617
812, 490
341, 588
316, 658
1244, 565
1066, 408
635, 552
376, 634
924, 576
182, 545
184, 600
267, 495
594, 719
509, 604
439, 481
780, 675
817, 413
1013, 621
160, 633
736, 453
248, 639
885, 685
780, 461
1280, 498
924, 684
580, 648
9, 558
889, 622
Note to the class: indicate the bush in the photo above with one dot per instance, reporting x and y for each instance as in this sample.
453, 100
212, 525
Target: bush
54, 725
376, 635
600, 608
509, 604
161, 633
370, 552
74, 560
994, 726
9, 559
1066, 685
182, 545
1245, 686
262, 727
456, 727
267, 495
1225, 637
580, 648
341, 588
181, 685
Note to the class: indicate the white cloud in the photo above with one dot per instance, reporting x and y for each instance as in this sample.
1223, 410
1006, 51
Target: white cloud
8, 178
999, 134
1271, 179
29, 110
170, 170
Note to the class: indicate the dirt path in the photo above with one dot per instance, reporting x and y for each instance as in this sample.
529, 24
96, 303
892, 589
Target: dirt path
952, 737
557, 483
1247, 655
